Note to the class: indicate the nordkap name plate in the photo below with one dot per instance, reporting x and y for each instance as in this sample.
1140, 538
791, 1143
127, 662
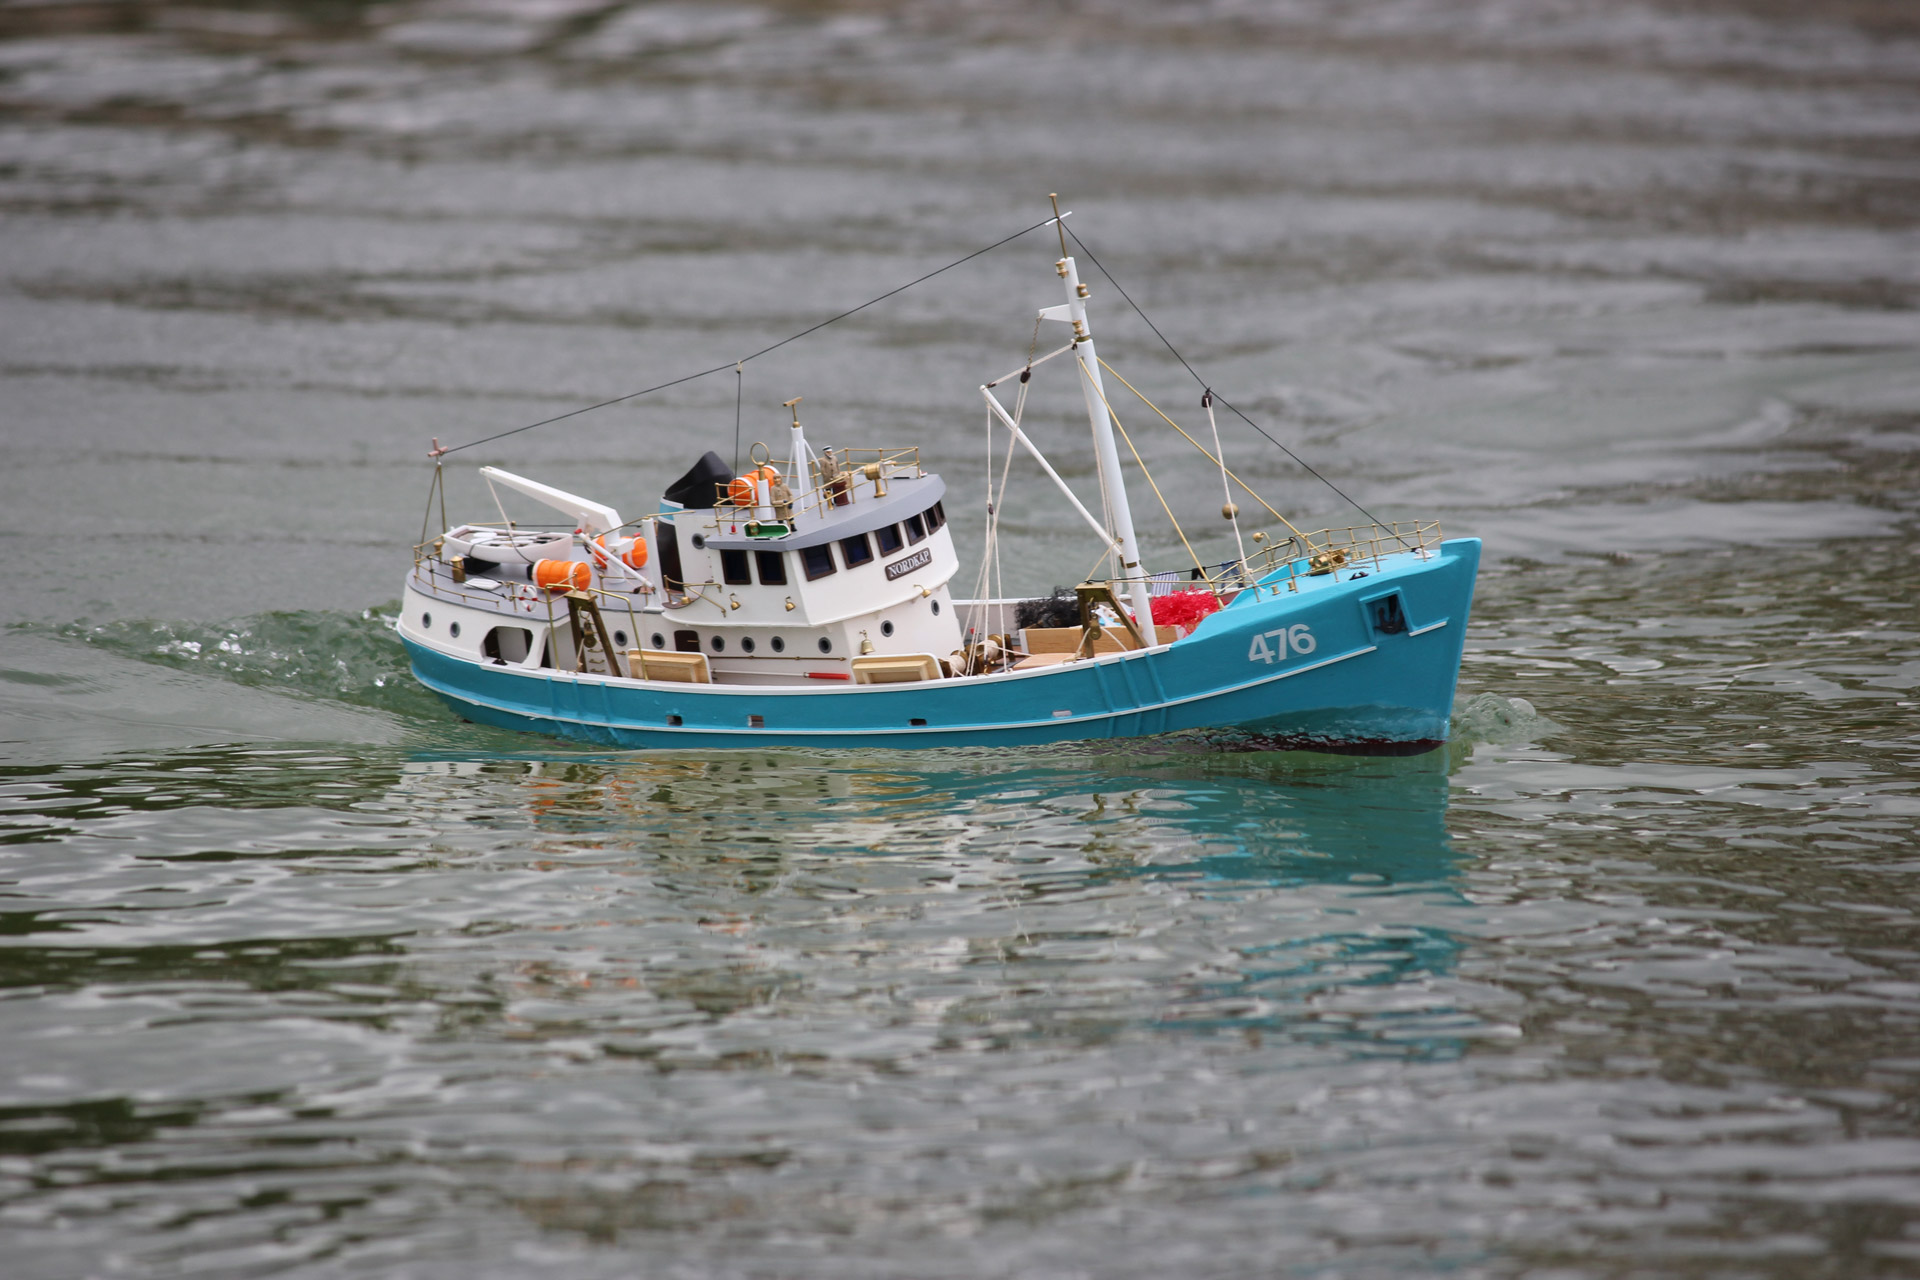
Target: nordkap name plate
900, 568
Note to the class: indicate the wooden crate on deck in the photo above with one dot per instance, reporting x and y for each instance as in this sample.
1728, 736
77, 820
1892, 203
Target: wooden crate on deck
899, 668
675, 668
1067, 639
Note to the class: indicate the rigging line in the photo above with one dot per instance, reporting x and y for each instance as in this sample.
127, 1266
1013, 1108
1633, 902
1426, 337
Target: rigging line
1115, 557
1303, 463
739, 389
721, 368
500, 507
1000, 501
1163, 502
426, 517
1006, 468
1088, 575
1229, 510
1203, 450
902, 289
990, 554
1143, 471
983, 582
574, 413
990, 549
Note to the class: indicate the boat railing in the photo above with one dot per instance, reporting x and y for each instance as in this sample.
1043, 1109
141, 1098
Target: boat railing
835, 479
1306, 555
439, 581
517, 525
1328, 550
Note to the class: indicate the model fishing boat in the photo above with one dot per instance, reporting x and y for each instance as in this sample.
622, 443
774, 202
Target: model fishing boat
809, 601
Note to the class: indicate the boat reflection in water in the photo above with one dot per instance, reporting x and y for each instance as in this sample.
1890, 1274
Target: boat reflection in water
1059, 894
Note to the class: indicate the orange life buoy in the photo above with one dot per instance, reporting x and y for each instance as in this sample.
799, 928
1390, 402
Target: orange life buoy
631, 552
562, 575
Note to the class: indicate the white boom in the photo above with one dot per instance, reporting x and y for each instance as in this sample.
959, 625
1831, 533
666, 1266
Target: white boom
595, 517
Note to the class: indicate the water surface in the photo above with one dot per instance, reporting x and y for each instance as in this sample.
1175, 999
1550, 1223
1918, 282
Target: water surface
301, 976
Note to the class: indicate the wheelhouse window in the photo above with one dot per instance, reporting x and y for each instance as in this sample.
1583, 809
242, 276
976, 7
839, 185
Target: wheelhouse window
887, 538
857, 550
818, 561
733, 567
916, 530
936, 516
773, 568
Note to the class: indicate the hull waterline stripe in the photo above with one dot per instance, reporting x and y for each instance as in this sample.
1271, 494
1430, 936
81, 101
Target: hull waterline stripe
447, 692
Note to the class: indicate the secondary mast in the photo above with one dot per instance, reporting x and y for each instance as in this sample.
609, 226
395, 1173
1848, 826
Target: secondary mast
1105, 452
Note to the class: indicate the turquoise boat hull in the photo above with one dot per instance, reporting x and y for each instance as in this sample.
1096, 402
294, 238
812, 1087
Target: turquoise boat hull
1346, 662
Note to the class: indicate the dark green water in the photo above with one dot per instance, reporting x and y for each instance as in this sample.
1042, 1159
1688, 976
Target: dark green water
300, 976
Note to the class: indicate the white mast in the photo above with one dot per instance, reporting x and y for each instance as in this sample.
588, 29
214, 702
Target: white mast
1105, 452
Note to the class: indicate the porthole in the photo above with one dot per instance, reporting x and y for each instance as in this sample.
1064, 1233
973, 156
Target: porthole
699, 542
936, 608
659, 641
719, 644
746, 644
426, 621
886, 628
826, 644
779, 645
620, 639
453, 629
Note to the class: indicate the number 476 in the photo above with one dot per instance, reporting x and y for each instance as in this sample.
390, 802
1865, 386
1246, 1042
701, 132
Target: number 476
1295, 637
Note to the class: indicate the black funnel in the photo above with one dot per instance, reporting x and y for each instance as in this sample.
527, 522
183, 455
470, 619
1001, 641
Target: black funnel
699, 489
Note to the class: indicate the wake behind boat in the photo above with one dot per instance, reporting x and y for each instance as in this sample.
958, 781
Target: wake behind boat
808, 601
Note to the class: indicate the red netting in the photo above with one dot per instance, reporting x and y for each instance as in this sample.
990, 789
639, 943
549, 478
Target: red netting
1183, 608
